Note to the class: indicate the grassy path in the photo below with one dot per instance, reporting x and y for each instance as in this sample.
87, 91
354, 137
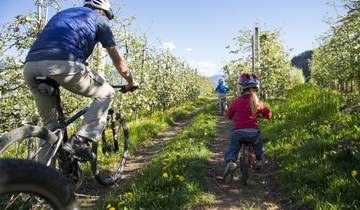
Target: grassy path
258, 195
174, 178
91, 194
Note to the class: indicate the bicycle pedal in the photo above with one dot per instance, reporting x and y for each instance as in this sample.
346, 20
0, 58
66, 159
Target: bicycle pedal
106, 148
84, 156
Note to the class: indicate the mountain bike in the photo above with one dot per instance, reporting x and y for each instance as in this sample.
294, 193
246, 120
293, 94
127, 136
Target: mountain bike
40, 144
27, 184
247, 159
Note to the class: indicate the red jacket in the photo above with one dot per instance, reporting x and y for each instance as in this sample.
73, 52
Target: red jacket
240, 113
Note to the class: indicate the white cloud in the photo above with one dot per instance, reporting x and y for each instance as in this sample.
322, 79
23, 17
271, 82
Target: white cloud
168, 46
188, 49
206, 68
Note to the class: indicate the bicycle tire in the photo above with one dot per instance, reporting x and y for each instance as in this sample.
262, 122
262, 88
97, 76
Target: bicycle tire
27, 131
222, 108
111, 176
244, 165
26, 176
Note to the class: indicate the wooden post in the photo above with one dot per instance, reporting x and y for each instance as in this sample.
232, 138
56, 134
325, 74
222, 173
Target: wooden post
253, 54
39, 3
257, 51
42, 6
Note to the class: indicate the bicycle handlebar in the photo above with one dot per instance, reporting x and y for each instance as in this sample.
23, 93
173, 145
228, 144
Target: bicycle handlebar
122, 88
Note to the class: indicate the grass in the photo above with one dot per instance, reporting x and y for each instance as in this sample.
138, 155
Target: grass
316, 148
144, 129
173, 179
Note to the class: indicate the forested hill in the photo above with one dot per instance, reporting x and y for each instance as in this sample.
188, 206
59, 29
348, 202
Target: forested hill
303, 62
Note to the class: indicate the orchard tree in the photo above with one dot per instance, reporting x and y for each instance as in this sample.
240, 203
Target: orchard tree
275, 68
336, 62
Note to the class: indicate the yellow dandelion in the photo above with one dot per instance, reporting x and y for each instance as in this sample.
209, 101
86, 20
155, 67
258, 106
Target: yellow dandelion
129, 196
166, 175
353, 173
181, 178
112, 208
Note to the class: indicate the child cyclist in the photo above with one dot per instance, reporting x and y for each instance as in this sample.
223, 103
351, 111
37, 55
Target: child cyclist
244, 112
221, 89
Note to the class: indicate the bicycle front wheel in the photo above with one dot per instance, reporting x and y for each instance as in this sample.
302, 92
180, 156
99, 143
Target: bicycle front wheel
26, 184
244, 165
112, 151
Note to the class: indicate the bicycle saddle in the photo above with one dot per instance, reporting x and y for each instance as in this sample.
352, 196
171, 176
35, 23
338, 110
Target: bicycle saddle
47, 86
248, 140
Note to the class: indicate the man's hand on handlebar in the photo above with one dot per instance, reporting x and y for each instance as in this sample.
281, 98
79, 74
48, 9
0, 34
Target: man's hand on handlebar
131, 86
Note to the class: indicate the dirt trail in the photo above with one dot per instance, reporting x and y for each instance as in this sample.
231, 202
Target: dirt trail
259, 194
90, 192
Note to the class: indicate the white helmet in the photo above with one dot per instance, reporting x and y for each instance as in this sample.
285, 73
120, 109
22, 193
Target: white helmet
101, 4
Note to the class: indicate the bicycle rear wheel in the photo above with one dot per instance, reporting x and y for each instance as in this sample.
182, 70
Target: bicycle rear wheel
222, 109
244, 164
109, 164
26, 184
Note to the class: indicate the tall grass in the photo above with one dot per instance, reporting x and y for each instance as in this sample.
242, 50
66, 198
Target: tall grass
174, 177
316, 147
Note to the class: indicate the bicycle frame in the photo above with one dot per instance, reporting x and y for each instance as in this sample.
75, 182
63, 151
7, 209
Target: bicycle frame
63, 137
248, 147
61, 132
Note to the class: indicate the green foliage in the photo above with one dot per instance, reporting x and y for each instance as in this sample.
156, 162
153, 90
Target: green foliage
169, 81
337, 60
316, 147
296, 76
174, 177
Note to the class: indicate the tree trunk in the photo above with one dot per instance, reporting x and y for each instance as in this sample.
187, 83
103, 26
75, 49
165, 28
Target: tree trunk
358, 81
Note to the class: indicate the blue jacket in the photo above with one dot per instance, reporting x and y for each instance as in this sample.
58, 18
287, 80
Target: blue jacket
71, 35
222, 88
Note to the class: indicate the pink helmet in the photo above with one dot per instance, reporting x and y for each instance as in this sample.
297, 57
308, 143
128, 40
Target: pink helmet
249, 80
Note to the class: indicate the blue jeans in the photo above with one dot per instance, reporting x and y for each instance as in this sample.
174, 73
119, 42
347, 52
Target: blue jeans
234, 147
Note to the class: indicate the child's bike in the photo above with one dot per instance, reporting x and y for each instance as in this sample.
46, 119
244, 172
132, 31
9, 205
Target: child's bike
247, 160
223, 105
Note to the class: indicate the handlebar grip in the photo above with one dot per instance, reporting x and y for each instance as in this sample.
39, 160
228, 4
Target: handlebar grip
122, 88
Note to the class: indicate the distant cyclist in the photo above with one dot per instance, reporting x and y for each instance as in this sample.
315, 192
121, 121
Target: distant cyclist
221, 90
244, 112
60, 52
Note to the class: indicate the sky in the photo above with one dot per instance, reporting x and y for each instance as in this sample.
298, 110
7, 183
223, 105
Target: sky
199, 30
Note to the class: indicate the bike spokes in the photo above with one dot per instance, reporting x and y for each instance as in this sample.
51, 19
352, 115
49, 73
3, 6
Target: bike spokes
23, 201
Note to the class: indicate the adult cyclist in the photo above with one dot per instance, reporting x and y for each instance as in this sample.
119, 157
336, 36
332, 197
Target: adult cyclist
60, 52
221, 90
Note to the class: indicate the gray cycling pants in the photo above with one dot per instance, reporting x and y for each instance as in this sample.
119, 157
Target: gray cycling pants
79, 79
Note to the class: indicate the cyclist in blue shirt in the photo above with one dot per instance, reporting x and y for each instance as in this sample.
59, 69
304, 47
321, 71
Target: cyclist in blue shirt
221, 90
60, 53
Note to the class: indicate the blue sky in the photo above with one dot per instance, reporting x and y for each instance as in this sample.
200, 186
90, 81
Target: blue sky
199, 30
